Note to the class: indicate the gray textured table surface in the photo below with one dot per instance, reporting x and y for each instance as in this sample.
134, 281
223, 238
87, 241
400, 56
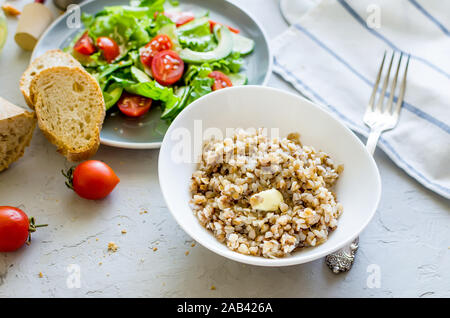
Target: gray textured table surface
404, 251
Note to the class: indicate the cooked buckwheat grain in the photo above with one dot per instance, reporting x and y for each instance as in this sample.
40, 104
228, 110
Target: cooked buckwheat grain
233, 169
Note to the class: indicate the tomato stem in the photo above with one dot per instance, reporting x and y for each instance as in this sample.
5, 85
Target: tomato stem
69, 177
32, 228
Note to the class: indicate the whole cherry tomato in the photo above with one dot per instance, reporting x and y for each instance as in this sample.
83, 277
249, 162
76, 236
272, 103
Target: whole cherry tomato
15, 228
85, 45
92, 179
134, 105
220, 80
157, 44
109, 47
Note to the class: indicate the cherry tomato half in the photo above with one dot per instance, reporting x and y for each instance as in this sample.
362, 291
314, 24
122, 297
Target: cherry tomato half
15, 228
92, 179
109, 47
179, 18
220, 80
157, 44
134, 105
213, 23
167, 67
85, 45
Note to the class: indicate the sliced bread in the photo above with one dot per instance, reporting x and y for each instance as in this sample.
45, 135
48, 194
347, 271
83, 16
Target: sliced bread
48, 59
70, 110
16, 130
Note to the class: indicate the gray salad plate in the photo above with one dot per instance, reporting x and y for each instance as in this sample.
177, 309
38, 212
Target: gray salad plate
148, 131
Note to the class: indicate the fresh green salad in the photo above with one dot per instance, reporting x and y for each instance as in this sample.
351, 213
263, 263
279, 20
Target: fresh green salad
141, 55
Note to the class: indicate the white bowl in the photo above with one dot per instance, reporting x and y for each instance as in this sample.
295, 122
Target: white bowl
358, 188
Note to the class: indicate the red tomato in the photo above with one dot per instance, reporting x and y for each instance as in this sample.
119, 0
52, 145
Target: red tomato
109, 47
15, 228
92, 179
213, 23
157, 44
179, 18
85, 45
167, 67
134, 105
220, 80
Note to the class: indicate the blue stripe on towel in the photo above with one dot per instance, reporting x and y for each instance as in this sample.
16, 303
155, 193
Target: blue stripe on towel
429, 16
384, 141
358, 18
415, 110
363, 128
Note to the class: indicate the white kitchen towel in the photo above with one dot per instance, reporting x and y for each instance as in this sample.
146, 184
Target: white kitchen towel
332, 55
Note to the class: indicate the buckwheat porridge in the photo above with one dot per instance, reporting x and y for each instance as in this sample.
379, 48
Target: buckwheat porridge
265, 197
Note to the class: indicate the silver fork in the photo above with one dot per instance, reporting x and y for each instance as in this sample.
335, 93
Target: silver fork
379, 118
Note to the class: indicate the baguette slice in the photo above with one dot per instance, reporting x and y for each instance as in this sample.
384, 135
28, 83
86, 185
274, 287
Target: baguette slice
16, 130
48, 59
70, 110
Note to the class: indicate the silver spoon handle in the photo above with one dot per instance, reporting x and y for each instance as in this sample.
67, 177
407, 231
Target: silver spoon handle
342, 260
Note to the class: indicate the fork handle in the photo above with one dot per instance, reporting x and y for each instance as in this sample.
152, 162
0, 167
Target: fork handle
372, 141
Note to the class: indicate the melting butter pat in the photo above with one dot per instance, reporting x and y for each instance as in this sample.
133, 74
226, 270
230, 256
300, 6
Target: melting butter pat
268, 200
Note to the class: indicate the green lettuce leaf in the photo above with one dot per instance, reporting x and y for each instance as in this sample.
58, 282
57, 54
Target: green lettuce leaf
151, 90
231, 64
197, 78
157, 23
123, 27
198, 39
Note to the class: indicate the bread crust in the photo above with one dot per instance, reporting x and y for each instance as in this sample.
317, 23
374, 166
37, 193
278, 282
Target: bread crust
65, 149
18, 112
47, 55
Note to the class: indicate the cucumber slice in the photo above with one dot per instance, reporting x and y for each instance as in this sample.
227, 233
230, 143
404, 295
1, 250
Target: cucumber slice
238, 79
222, 50
112, 96
139, 75
183, 94
242, 44
193, 24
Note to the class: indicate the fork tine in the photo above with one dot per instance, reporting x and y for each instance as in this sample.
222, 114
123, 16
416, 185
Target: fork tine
385, 84
375, 86
402, 90
393, 86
